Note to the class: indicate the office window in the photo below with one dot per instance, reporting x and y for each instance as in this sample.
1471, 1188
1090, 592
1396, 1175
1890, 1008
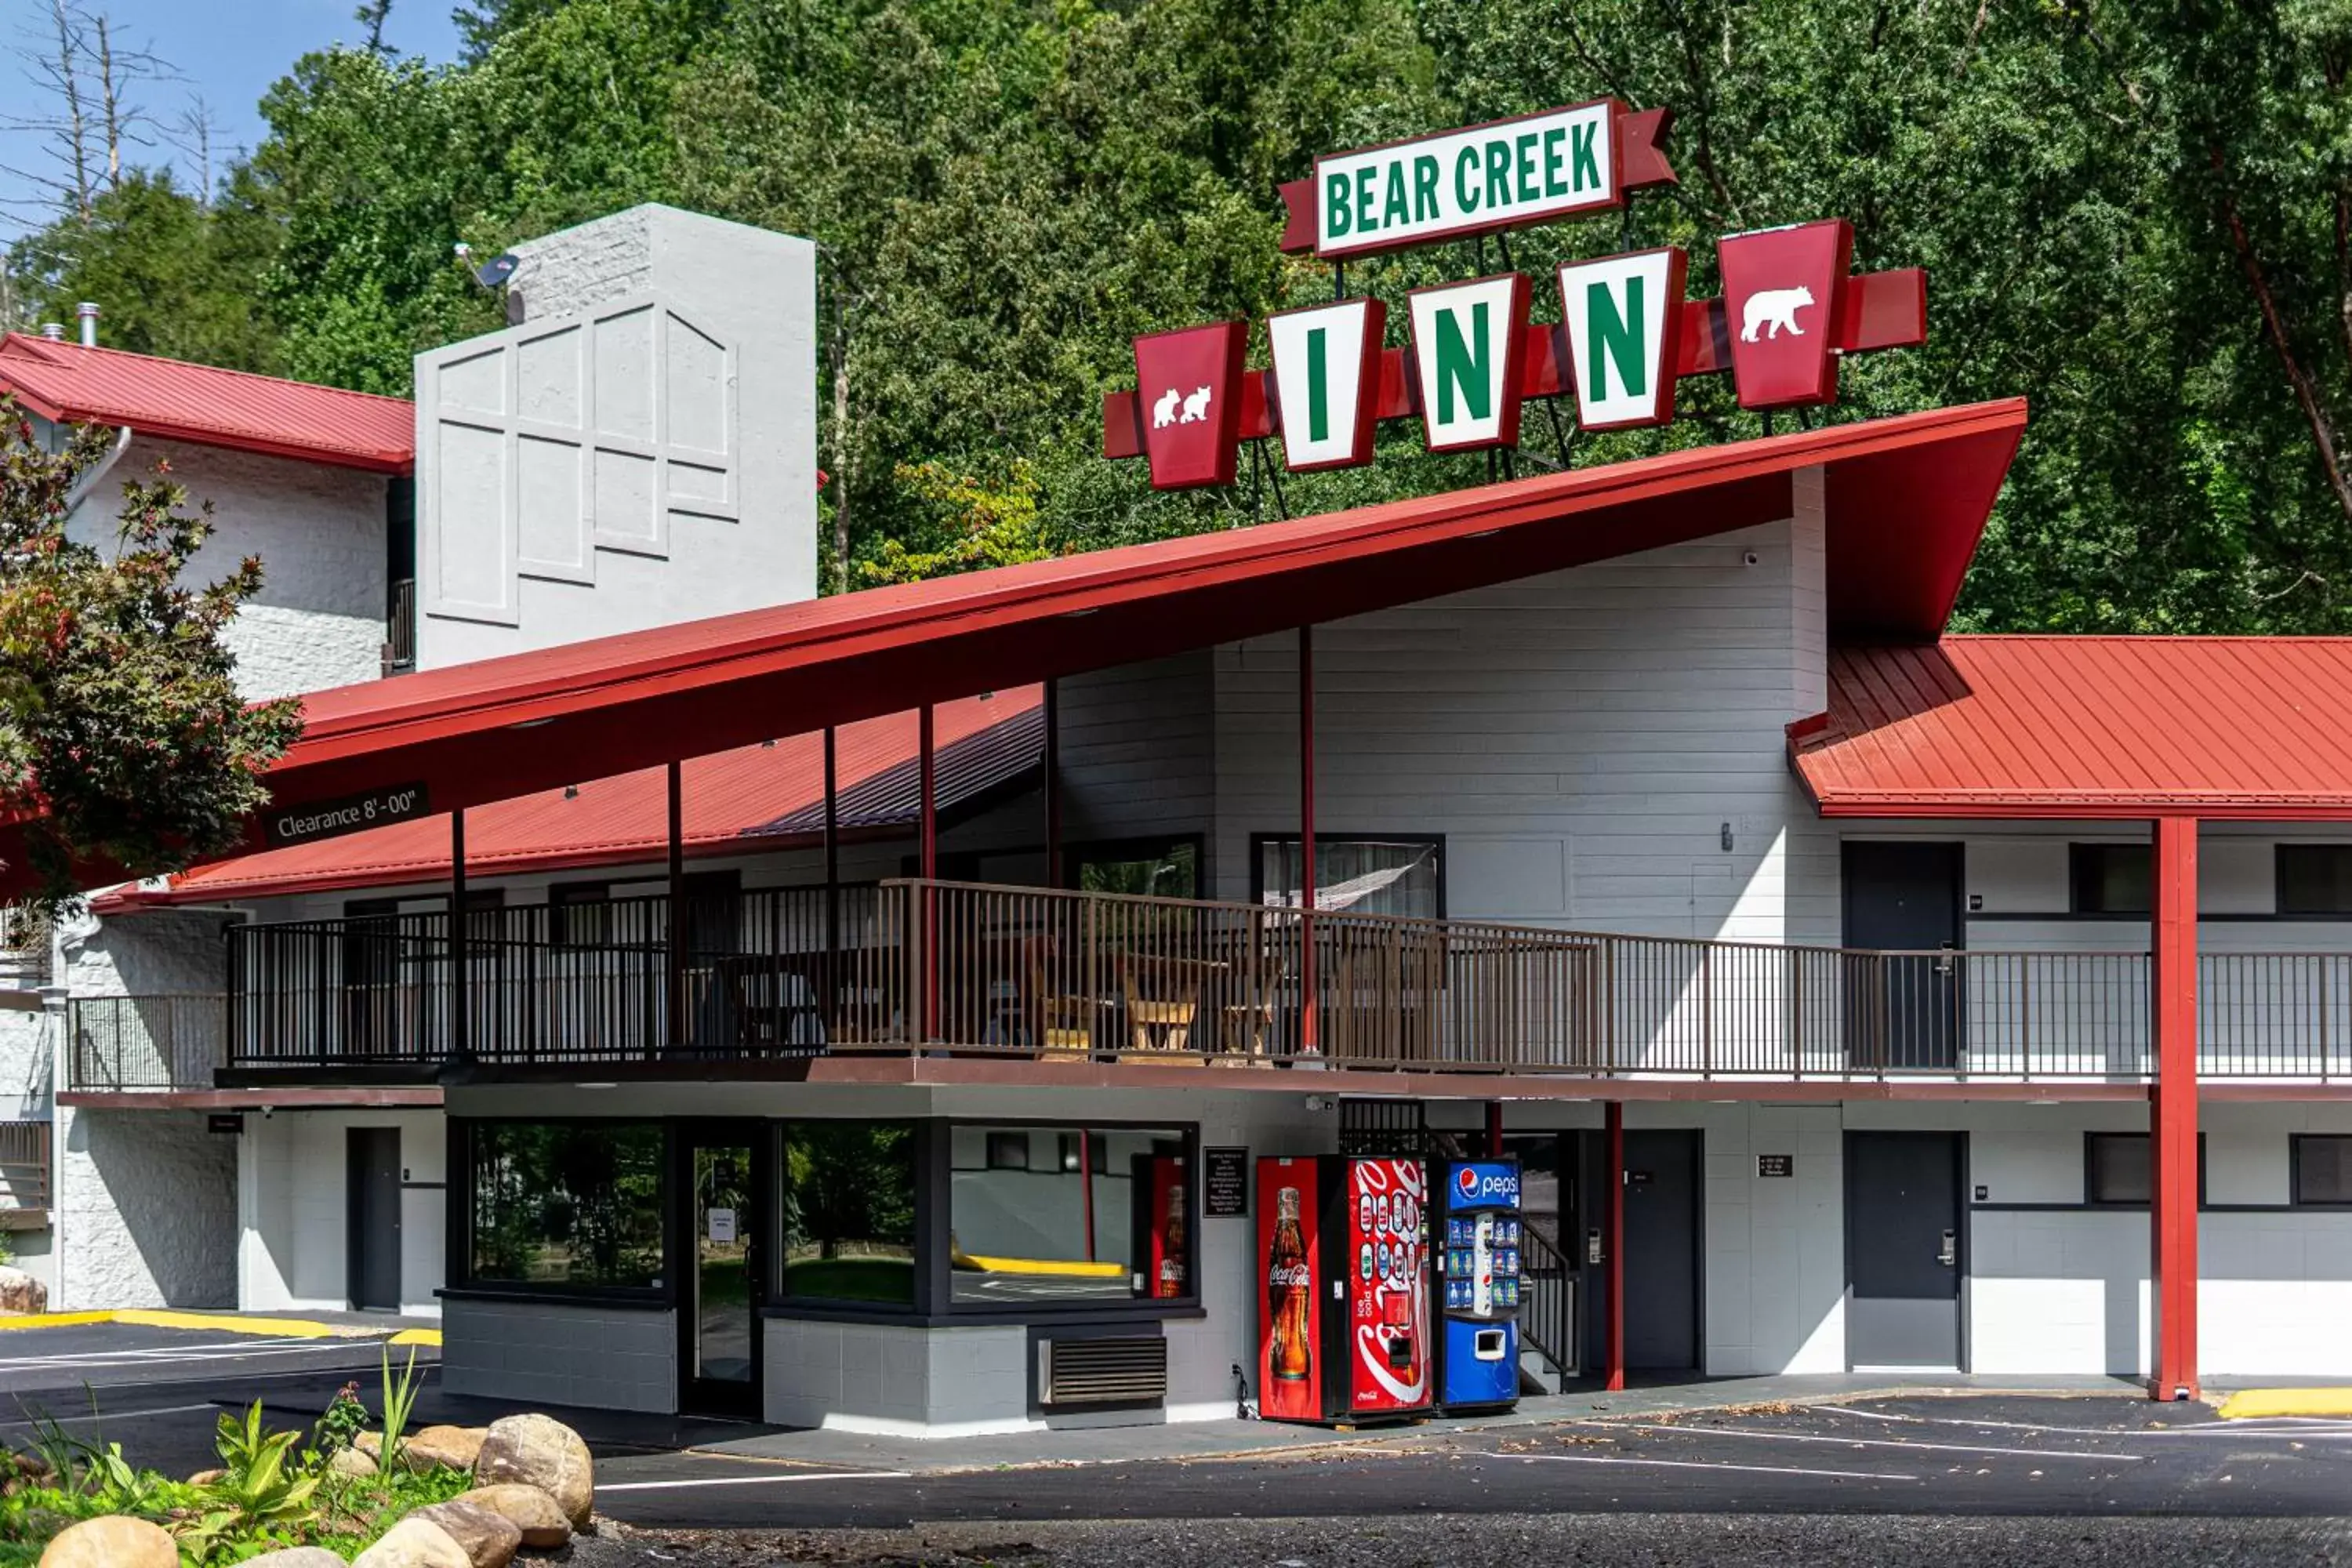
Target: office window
2116, 1169
849, 1212
2113, 878
1400, 876
2323, 1170
1110, 1226
1008, 1151
569, 1204
2315, 878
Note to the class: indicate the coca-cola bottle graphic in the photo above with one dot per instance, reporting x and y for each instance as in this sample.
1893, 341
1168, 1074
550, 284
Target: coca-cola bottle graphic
1286, 1287
1172, 1257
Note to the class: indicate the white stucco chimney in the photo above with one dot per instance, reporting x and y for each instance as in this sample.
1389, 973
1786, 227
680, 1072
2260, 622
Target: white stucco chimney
640, 449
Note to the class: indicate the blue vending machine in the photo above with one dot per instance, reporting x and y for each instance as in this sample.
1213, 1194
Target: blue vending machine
1478, 1288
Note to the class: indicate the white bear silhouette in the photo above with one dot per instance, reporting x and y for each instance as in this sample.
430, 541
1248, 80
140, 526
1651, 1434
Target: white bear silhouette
1196, 407
1163, 413
1775, 309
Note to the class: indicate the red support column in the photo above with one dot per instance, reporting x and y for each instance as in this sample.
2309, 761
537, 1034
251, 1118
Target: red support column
461, 958
929, 851
1053, 784
1612, 1241
2172, 1120
831, 994
1494, 1129
1310, 1041
676, 1008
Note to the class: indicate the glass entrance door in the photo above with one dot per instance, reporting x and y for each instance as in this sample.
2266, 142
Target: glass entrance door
719, 1310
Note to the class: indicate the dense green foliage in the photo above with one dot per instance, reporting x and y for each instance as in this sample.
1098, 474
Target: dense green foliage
2136, 217
122, 738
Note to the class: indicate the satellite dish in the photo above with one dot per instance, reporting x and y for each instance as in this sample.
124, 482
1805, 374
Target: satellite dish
494, 274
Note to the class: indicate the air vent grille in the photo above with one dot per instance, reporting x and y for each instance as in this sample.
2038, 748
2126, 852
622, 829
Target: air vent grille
1102, 1371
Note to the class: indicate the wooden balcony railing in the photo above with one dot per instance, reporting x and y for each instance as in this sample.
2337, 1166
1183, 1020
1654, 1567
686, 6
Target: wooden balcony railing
156, 1042
1040, 974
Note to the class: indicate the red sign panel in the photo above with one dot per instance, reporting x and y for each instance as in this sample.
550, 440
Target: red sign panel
1388, 1332
1189, 387
1783, 300
1290, 1316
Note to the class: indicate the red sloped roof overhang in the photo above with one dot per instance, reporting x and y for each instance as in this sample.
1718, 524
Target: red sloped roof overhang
2086, 727
209, 407
1905, 502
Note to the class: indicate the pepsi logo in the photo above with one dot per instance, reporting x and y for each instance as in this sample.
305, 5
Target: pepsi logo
1466, 1182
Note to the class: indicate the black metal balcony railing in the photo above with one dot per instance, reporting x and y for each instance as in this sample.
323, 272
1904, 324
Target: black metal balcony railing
155, 1042
1031, 972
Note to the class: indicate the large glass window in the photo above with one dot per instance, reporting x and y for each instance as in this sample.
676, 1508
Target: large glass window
1050, 1215
849, 1212
1158, 868
2323, 1170
573, 1205
1358, 875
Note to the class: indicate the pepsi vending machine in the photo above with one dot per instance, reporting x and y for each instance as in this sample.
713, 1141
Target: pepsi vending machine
1478, 1287
1344, 1324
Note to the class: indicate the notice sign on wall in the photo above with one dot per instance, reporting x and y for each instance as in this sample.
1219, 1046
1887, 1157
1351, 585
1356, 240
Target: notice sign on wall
721, 1225
1225, 1188
352, 813
1776, 1165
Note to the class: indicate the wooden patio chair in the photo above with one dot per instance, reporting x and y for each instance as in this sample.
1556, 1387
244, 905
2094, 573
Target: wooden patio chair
1060, 1023
1157, 1023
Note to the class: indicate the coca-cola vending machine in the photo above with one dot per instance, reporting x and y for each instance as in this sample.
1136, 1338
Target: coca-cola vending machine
1344, 1324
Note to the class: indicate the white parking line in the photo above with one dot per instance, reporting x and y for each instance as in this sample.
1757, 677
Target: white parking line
1858, 1441
2317, 1425
754, 1480
1686, 1465
234, 1351
111, 1416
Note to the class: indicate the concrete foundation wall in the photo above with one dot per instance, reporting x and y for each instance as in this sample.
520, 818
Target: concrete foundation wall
146, 1210
548, 1352
293, 1208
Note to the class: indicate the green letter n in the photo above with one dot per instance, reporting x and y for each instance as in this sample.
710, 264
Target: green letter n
1460, 365
1616, 340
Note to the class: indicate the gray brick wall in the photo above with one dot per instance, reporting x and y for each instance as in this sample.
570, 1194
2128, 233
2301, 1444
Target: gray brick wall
535, 1353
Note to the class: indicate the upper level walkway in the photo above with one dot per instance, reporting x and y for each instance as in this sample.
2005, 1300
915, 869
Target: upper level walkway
916, 969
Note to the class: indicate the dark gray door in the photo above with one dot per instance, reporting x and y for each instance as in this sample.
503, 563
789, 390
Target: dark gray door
1662, 1250
373, 1223
1903, 1249
1902, 1011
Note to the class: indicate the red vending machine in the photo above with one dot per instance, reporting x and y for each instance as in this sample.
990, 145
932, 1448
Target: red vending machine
1343, 1327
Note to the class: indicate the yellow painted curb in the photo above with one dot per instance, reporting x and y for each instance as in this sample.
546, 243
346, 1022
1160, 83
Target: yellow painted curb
223, 1323
54, 1319
429, 1337
2252, 1403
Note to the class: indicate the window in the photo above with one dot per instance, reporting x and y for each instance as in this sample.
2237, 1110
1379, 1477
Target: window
2323, 1170
849, 1212
580, 914
2113, 878
2315, 878
1109, 1220
572, 1205
1399, 875
1158, 868
2115, 1169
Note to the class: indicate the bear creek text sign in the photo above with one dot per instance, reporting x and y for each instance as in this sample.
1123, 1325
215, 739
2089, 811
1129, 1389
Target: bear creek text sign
1626, 334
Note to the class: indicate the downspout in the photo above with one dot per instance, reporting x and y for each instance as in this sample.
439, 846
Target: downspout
91, 482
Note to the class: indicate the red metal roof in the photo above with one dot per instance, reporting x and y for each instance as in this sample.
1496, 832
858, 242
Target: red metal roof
754, 799
1906, 500
209, 407
2127, 727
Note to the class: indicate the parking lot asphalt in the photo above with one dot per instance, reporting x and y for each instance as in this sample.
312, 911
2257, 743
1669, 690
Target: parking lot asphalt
1987, 1457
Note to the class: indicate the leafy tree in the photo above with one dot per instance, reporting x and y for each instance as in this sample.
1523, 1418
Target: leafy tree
119, 721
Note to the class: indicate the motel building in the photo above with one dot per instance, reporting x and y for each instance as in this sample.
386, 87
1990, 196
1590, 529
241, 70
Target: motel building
853, 1011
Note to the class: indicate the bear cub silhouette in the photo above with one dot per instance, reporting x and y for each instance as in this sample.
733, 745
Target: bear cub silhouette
1775, 312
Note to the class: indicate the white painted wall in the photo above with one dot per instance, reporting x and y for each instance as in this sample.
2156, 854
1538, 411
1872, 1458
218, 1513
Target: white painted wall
641, 451
318, 620
292, 1209
146, 1209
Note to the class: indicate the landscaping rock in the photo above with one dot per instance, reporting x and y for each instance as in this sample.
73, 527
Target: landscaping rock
116, 1541
540, 1451
490, 1538
371, 1444
32, 1464
352, 1462
445, 1447
533, 1512
297, 1557
411, 1543
20, 1292
208, 1478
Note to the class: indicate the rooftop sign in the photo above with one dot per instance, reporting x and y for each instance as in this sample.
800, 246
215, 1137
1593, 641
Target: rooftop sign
1792, 310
